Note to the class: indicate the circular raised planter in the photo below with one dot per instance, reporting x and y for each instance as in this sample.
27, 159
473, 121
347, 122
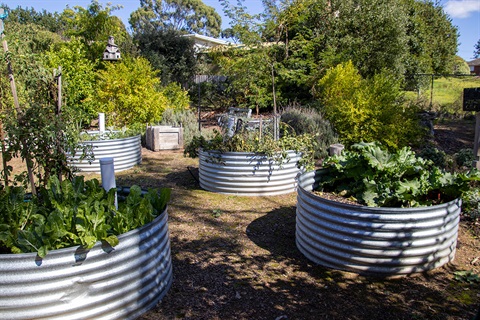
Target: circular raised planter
126, 153
247, 174
104, 282
374, 241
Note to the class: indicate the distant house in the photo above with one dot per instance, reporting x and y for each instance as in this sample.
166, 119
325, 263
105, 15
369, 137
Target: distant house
204, 43
474, 66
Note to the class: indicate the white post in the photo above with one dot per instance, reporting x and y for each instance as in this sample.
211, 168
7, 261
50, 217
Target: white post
101, 122
107, 171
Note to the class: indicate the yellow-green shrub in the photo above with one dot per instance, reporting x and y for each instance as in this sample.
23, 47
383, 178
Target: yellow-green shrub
367, 109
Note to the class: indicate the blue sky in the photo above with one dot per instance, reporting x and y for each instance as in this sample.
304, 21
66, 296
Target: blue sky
465, 14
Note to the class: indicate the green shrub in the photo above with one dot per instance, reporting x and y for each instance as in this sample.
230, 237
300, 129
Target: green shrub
471, 203
438, 157
367, 109
183, 117
464, 158
308, 120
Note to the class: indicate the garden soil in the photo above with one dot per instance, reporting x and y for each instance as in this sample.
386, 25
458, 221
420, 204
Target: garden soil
235, 257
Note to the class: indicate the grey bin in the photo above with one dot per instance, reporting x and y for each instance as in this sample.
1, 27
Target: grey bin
122, 282
374, 241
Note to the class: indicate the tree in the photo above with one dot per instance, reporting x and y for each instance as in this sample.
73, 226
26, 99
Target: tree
476, 53
94, 25
78, 77
47, 20
191, 16
170, 53
129, 93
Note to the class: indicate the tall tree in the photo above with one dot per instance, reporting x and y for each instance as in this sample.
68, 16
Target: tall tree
191, 16
94, 25
476, 53
170, 53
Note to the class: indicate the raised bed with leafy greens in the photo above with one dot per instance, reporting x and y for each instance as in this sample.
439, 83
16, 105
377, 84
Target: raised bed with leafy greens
371, 175
71, 213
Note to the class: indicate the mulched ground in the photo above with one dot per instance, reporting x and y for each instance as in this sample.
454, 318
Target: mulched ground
236, 258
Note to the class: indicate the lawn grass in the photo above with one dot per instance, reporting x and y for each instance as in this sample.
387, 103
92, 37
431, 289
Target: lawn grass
447, 97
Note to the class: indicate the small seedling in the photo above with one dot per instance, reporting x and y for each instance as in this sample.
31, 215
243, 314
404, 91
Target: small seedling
217, 213
467, 276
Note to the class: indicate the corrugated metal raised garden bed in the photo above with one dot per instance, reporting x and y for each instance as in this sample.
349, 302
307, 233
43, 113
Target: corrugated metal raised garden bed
126, 152
248, 174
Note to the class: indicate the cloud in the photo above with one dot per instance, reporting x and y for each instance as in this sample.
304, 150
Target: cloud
461, 8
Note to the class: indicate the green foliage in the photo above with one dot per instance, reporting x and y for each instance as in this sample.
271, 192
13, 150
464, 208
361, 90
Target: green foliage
44, 138
464, 158
94, 25
438, 157
78, 77
177, 98
128, 91
367, 109
467, 276
460, 66
263, 144
71, 213
29, 16
183, 117
375, 177
170, 53
305, 120
471, 203
192, 16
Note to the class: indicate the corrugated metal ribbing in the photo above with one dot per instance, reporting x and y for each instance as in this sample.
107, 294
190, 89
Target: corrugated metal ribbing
376, 241
247, 174
102, 283
126, 153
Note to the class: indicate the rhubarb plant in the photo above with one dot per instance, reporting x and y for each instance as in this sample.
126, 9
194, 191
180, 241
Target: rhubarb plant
371, 175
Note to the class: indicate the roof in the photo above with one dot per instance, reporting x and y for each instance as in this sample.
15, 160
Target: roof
207, 41
474, 63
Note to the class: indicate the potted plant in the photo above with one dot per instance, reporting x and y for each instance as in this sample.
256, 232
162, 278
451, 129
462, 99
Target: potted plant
374, 212
70, 253
252, 163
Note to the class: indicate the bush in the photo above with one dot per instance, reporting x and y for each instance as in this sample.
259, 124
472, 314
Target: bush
367, 109
309, 121
183, 117
438, 157
464, 158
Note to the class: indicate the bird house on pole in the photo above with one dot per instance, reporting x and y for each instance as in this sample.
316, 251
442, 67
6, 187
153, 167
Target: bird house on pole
111, 53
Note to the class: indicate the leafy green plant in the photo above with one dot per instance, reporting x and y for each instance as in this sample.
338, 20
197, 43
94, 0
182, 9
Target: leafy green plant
254, 142
110, 134
70, 213
378, 178
467, 276
464, 158
437, 156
